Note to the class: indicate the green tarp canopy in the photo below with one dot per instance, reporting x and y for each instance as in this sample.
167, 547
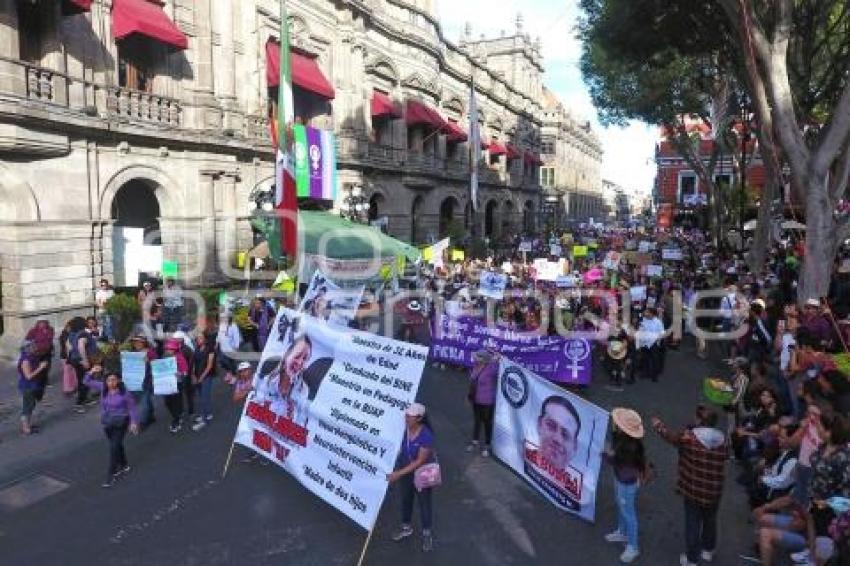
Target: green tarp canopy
344, 239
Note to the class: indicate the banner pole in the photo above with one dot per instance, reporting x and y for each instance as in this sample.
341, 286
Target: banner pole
227, 462
365, 547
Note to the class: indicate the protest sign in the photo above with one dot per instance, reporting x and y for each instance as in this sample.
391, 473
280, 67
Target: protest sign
638, 293
579, 251
328, 301
164, 372
555, 250
612, 260
645, 246
492, 285
548, 271
531, 418
133, 370
566, 281
525, 246
539, 264
170, 269
458, 255
507, 267
328, 407
671, 254
654, 271
565, 360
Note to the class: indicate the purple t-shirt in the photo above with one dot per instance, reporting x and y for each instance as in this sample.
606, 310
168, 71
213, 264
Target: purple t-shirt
485, 378
410, 447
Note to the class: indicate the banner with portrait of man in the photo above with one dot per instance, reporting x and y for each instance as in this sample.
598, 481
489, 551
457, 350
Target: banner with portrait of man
328, 407
550, 437
326, 300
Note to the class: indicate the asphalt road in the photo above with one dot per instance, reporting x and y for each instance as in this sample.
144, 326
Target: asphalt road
174, 507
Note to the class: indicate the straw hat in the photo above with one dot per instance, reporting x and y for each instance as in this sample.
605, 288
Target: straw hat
617, 349
628, 421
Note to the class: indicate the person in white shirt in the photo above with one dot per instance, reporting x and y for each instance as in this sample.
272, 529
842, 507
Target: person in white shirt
101, 296
228, 341
648, 342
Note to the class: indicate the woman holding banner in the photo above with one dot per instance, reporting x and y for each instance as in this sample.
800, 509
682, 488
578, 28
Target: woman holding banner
417, 449
482, 396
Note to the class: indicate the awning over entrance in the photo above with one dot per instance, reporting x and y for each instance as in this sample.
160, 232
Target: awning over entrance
532, 159
496, 148
419, 113
511, 152
76, 6
306, 73
454, 133
383, 106
145, 18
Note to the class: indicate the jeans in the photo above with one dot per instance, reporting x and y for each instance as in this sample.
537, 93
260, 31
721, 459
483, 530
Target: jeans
408, 493
82, 389
117, 457
700, 529
483, 418
627, 522
205, 396
174, 403
188, 390
28, 401
105, 322
144, 404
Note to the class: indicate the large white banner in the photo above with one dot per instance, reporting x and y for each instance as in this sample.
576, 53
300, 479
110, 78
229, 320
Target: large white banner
550, 437
328, 301
328, 407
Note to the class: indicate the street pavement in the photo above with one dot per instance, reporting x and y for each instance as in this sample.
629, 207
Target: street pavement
175, 508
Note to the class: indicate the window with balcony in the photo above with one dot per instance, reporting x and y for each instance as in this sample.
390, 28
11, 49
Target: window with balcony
34, 23
547, 176
548, 145
687, 188
135, 65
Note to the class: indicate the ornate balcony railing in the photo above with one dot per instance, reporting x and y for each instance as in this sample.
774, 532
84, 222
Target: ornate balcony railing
141, 106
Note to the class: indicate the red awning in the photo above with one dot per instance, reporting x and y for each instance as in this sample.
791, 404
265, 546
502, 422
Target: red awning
145, 18
305, 71
511, 152
383, 106
419, 113
454, 133
496, 148
76, 6
532, 159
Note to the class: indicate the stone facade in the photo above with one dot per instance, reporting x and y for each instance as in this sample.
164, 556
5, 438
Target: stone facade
77, 145
572, 162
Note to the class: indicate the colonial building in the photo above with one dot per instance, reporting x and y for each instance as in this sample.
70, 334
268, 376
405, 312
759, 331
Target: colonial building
572, 162
134, 132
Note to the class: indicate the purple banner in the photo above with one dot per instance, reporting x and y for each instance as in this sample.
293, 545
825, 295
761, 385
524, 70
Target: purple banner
314, 153
564, 360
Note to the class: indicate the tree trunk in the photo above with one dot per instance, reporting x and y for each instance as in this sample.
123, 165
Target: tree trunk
761, 241
820, 242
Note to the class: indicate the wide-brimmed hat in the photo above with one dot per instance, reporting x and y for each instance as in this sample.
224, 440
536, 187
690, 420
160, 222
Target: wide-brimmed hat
628, 421
617, 349
414, 306
483, 356
244, 365
415, 410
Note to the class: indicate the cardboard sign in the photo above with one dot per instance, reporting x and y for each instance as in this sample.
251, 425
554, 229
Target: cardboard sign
170, 269
654, 271
671, 254
525, 246
579, 251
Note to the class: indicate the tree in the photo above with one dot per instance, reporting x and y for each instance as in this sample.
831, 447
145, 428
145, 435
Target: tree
792, 57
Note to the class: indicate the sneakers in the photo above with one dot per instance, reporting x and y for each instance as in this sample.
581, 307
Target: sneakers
616, 536
486, 452
198, 424
427, 541
629, 555
80, 409
472, 446
208, 418
175, 428
122, 471
707, 555
801, 557
402, 533
108, 483
683, 560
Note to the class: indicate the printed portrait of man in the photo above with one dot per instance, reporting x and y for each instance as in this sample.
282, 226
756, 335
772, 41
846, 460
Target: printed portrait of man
558, 427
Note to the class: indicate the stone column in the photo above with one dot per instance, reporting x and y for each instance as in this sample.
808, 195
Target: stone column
227, 244
12, 76
208, 218
225, 64
202, 109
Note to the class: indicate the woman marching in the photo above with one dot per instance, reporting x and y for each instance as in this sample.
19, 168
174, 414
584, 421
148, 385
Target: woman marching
417, 450
31, 368
628, 460
117, 415
482, 395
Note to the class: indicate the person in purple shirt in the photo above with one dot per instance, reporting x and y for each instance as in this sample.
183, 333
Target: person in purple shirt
30, 383
117, 415
815, 321
482, 396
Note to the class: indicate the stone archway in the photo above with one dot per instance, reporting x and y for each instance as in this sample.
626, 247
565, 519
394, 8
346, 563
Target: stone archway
448, 209
136, 235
